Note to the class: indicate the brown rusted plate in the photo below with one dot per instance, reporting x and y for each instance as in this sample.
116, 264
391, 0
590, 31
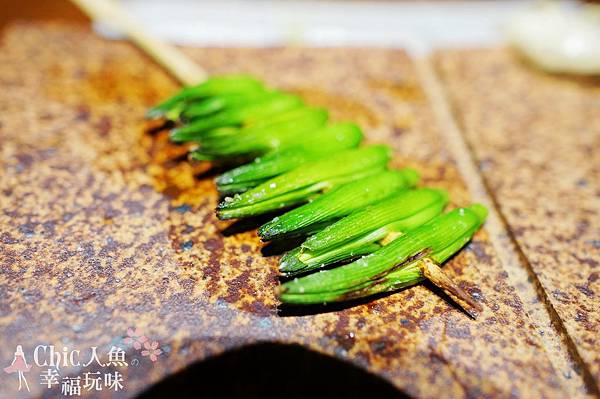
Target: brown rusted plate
106, 226
536, 138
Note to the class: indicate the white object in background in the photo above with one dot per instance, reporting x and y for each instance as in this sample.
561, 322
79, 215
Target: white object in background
559, 37
416, 26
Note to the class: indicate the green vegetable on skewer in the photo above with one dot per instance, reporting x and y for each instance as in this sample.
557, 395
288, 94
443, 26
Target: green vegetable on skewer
305, 182
218, 85
202, 108
339, 202
365, 231
273, 104
285, 130
330, 139
396, 265
356, 207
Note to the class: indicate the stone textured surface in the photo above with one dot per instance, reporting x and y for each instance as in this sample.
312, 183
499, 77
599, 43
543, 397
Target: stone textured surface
106, 226
539, 156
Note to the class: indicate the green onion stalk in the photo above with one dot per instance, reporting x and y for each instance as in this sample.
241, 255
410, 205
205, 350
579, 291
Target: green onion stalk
306, 182
339, 202
397, 265
365, 231
259, 112
327, 140
233, 85
261, 139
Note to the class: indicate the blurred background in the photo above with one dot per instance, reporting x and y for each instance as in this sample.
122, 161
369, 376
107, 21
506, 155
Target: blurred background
415, 25
559, 36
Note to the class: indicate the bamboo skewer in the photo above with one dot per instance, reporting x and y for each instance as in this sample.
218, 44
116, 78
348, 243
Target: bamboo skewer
432, 272
169, 57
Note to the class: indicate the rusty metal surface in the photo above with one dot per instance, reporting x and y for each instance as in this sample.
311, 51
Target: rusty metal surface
539, 157
105, 226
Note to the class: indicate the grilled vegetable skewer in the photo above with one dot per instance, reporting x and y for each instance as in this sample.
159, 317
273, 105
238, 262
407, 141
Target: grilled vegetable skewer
285, 130
365, 231
358, 208
201, 109
305, 182
394, 266
327, 140
339, 202
245, 115
218, 85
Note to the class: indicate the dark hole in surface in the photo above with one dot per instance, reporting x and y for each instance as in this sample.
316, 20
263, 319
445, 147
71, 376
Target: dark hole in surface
273, 371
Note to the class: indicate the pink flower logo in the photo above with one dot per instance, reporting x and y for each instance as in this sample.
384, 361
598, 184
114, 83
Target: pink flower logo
151, 349
135, 338
138, 340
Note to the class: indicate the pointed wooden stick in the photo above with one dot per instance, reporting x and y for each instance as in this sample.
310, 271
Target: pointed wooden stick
173, 60
432, 271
